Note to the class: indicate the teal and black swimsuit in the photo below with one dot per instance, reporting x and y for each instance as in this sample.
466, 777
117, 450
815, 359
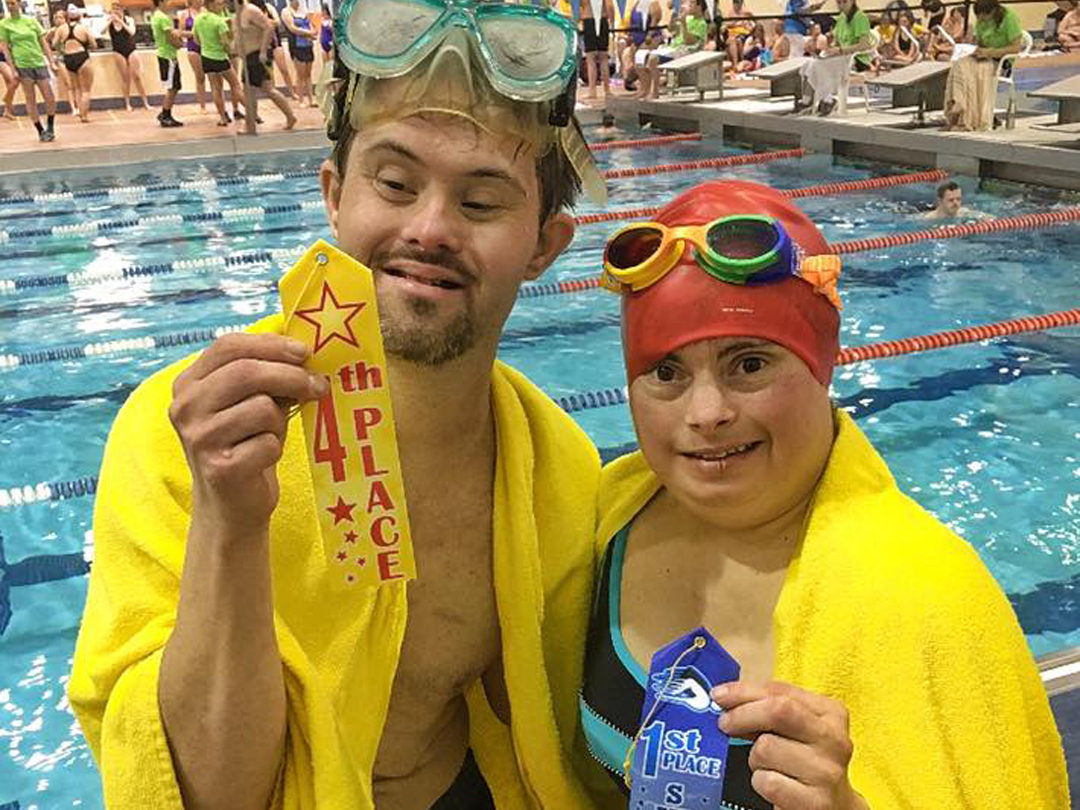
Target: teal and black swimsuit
614, 689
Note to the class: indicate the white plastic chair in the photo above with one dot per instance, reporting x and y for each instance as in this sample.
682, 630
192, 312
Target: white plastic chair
1010, 79
845, 83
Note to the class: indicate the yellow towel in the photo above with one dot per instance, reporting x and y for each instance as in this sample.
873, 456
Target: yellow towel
339, 668
887, 610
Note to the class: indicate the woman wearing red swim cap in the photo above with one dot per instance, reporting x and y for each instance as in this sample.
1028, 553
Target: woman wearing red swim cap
881, 665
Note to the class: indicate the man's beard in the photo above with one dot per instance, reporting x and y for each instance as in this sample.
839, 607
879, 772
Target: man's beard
426, 344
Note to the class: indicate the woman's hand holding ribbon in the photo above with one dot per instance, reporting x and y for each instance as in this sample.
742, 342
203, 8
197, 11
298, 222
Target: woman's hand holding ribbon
802, 744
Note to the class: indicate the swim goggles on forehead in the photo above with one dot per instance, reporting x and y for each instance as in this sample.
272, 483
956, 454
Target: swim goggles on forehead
741, 249
528, 53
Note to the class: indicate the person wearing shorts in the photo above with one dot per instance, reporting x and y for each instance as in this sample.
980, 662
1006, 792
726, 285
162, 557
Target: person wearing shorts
255, 33
596, 35
166, 40
22, 40
215, 39
301, 47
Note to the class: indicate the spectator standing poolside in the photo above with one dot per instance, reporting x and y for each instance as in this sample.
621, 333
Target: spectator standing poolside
166, 41
281, 61
596, 36
23, 41
73, 42
191, 47
56, 63
255, 34
11, 84
214, 38
121, 30
301, 47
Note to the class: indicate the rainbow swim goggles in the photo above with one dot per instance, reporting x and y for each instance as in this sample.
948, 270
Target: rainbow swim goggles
744, 249
528, 53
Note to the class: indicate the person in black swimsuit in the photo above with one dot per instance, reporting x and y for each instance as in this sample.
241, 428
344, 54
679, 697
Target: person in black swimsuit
122, 33
73, 41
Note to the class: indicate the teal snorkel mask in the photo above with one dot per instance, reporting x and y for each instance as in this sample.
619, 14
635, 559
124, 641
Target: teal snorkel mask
517, 60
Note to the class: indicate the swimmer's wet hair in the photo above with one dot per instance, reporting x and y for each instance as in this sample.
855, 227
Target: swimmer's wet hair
944, 188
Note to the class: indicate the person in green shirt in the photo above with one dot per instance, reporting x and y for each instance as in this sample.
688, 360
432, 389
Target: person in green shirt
166, 38
214, 35
692, 27
971, 88
824, 77
22, 41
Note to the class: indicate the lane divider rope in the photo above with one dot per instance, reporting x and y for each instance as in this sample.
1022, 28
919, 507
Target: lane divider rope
659, 140
205, 264
828, 189
528, 291
704, 163
254, 212
1017, 223
127, 193
92, 227
606, 397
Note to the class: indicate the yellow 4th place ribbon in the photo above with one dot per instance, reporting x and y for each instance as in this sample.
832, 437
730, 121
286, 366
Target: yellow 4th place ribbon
329, 303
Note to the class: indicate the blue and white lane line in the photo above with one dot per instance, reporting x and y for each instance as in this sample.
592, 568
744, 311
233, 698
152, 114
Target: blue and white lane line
80, 229
111, 347
125, 193
205, 264
285, 257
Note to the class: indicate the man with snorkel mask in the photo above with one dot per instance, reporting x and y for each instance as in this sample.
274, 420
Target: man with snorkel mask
211, 669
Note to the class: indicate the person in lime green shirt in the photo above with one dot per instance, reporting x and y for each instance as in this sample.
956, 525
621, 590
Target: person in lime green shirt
214, 35
22, 41
692, 27
823, 77
166, 39
971, 88
998, 31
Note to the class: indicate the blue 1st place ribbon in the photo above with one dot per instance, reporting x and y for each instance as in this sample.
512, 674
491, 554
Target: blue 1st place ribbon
679, 754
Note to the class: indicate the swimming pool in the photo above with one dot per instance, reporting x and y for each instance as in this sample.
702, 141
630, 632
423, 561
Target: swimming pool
982, 435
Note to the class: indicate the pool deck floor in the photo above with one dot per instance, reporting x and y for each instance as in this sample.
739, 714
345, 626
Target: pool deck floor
116, 137
1029, 152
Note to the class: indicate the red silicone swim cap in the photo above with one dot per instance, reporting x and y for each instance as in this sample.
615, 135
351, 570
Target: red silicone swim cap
688, 304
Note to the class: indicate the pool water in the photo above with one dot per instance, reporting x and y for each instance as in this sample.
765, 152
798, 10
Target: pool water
984, 435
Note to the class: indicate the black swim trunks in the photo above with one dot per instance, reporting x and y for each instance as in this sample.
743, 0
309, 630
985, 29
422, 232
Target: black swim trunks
214, 65
469, 791
256, 72
169, 71
596, 40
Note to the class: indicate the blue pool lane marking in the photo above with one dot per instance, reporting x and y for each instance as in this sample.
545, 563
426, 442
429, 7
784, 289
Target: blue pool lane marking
34, 571
129, 192
79, 229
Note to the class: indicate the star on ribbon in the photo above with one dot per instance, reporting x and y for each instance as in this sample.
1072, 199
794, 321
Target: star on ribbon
350, 537
341, 511
342, 556
331, 321
361, 561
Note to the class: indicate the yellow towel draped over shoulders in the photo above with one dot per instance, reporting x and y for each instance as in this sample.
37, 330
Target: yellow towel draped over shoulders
888, 611
340, 665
